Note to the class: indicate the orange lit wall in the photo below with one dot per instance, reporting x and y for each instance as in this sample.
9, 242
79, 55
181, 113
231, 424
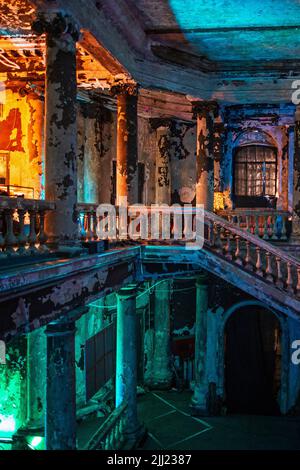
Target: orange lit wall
21, 134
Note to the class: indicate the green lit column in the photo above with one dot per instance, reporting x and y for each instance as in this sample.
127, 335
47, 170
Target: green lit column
161, 373
126, 367
60, 390
199, 400
36, 378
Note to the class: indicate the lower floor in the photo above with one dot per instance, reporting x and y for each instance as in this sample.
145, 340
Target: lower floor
171, 426
195, 362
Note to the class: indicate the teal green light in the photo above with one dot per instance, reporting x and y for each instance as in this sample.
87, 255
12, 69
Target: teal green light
36, 441
229, 30
7, 425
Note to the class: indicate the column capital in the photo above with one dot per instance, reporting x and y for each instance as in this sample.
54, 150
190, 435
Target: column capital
57, 25
202, 280
65, 324
125, 88
128, 291
156, 123
204, 108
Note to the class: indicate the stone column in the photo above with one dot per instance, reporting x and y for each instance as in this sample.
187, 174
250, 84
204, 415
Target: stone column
163, 128
36, 378
127, 158
199, 400
218, 155
296, 182
60, 125
61, 391
126, 366
161, 374
205, 112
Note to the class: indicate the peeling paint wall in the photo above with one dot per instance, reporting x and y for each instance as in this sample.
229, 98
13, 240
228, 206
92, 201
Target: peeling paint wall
96, 127
183, 163
13, 409
21, 135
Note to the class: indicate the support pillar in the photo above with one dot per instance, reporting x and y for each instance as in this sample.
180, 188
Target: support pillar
61, 391
127, 156
218, 155
296, 182
60, 125
161, 374
199, 400
126, 366
36, 378
163, 186
205, 112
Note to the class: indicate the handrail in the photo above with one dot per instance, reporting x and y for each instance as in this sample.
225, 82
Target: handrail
251, 238
110, 435
22, 229
269, 224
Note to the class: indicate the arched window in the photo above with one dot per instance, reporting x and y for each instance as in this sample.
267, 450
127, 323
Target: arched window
255, 175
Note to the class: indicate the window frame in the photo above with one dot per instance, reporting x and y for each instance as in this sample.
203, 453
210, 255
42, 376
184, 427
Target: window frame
263, 200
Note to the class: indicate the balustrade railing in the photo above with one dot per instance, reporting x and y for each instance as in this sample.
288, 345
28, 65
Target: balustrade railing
87, 221
22, 229
110, 436
252, 253
268, 224
245, 248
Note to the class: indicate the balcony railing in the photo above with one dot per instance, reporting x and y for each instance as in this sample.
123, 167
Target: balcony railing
110, 436
268, 224
22, 226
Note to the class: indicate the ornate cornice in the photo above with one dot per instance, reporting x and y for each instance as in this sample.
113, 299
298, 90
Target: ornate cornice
57, 25
125, 88
156, 123
204, 108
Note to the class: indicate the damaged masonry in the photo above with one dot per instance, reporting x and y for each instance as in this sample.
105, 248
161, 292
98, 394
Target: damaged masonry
149, 226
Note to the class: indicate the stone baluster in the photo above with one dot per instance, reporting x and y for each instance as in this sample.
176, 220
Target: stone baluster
283, 228
10, 239
89, 232
42, 236
274, 235
265, 228
211, 233
83, 225
256, 229
289, 280
32, 239
94, 220
248, 223
22, 237
248, 260
218, 242
237, 254
228, 253
269, 272
258, 262
298, 283
279, 281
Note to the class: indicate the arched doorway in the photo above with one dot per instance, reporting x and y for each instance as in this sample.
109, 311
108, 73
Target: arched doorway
252, 361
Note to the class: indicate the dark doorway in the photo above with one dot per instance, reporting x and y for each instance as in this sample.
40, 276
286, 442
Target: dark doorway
252, 361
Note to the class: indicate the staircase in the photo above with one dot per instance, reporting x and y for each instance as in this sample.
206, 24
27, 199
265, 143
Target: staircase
241, 258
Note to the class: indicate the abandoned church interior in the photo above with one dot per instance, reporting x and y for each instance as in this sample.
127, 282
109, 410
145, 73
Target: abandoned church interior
147, 342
